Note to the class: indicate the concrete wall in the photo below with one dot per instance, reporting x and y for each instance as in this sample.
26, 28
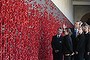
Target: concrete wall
80, 11
65, 7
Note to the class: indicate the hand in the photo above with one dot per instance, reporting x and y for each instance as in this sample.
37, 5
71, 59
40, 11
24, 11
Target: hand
76, 52
88, 53
56, 51
73, 53
67, 54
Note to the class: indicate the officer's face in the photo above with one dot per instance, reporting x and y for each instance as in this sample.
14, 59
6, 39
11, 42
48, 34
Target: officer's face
65, 32
60, 31
76, 25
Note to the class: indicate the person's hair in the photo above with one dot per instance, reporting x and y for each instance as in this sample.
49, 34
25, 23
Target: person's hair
77, 21
59, 28
69, 31
80, 23
82, 29
84, 24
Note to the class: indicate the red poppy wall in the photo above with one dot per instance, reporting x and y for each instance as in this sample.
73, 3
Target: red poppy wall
27, 27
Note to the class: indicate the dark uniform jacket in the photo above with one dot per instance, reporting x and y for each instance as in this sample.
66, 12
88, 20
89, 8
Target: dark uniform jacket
87, 40
80, 43
67, 45
57, 43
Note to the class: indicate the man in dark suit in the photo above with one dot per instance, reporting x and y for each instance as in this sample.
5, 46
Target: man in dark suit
74, 34
75, 31
79, 45
57, 45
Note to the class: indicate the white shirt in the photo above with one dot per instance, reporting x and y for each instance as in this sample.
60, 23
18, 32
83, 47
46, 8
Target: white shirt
58, 36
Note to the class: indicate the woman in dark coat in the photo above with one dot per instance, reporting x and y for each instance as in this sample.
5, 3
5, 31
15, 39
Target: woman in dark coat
67, 45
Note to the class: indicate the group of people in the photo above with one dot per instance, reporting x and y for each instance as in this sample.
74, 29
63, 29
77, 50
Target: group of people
74, 44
